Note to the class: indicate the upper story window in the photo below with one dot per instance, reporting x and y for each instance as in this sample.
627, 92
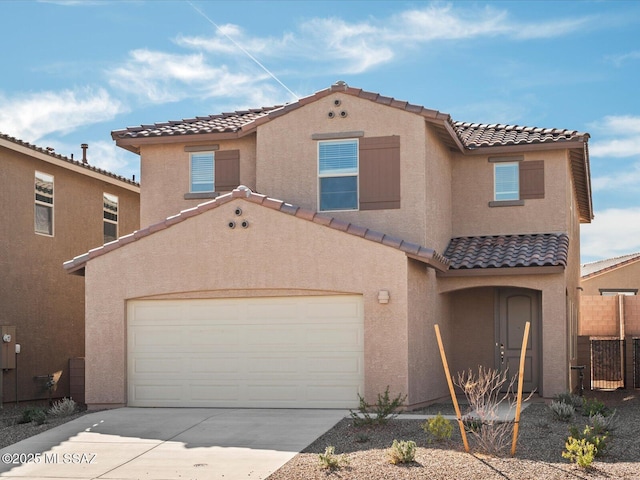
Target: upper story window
338, 175
110, 217
507, 184
212, 171
43, 203
515, 180
202, 172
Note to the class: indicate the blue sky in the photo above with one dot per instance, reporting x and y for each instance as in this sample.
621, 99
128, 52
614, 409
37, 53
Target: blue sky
75, 70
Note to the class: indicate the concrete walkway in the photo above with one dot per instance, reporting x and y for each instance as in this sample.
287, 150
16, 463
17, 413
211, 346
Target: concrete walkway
165, 443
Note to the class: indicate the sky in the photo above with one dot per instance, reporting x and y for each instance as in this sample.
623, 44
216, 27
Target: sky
75, 70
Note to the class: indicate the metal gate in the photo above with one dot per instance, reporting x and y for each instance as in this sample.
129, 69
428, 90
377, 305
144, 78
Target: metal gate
607, 364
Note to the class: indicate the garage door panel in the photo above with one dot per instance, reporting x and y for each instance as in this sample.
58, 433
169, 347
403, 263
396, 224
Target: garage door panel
248, 352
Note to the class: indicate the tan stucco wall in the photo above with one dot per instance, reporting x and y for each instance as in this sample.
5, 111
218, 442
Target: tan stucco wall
277, 255
554, 365
164, 169
43, 302
625, 277
473, 189
287, 163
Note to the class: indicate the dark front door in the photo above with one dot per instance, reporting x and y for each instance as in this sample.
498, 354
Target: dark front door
515, 308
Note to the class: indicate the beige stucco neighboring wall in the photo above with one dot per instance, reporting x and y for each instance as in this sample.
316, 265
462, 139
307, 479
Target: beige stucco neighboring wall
473, 189
277, 255
287, 161
165, 171
624, 277
554, 365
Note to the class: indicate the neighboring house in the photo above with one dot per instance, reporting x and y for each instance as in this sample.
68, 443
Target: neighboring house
52, 208
361, 222
610, 313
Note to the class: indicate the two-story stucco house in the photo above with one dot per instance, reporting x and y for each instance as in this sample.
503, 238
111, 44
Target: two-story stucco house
296, 256
53, 207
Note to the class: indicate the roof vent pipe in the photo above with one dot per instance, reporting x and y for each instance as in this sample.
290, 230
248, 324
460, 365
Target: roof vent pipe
84, 147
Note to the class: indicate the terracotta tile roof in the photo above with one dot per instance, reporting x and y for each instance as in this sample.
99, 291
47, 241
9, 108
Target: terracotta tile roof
57, 156
462, 136
601, 266
418, 252
477, 135
471, 135
222, 123
532, 250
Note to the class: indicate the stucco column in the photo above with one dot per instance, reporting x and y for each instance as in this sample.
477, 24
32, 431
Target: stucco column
555, 361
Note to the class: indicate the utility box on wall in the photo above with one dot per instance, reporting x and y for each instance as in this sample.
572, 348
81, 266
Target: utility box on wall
7, 347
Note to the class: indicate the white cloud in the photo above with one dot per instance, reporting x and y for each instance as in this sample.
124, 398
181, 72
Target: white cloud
628, 178
618, 60
162, 77
356, 47
30, 117
624, 136
613, 232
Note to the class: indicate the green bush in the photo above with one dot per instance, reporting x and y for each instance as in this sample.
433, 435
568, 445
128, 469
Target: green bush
33, 414
593, 406
579, 451
330, 461
597, 439
439, 427
570, 399
402, 451
384, 409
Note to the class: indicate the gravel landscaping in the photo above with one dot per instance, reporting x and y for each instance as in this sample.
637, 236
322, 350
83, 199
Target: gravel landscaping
11, 431
540, 445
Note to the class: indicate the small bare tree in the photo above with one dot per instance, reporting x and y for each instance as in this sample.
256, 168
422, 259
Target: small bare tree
489, 394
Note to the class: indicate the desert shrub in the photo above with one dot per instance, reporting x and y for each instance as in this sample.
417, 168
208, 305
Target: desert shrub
402, 451
486, 391
33, 414
330, 461
602, 423
561, 410
593, 406
63, 408
579, 451
438, 427
384, 409
598, 440
570, 399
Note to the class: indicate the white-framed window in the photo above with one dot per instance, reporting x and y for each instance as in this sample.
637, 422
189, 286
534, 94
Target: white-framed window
506, 181
338, 175
202, 178
43, 216
110, 217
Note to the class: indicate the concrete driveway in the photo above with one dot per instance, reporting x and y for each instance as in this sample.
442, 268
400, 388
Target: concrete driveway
168, 443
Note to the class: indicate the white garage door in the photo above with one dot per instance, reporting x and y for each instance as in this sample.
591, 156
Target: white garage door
250, 352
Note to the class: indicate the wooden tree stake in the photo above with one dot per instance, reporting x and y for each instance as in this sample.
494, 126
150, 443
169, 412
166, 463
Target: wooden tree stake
453, 393
523, 352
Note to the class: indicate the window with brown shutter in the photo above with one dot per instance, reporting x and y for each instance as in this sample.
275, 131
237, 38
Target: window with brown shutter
379, 173
531, 179
227, 167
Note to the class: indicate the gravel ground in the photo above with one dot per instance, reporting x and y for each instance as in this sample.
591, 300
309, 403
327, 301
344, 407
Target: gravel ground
12, 432
540, 444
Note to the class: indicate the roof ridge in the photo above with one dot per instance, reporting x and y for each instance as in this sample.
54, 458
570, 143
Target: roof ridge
419, 252
58, 156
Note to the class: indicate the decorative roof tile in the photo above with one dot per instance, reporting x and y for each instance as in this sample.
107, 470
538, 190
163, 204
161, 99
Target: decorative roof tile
477, 135
71, 161
424, 254
601, 266
532, 250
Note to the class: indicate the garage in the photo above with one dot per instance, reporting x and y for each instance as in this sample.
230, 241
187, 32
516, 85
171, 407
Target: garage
266, 352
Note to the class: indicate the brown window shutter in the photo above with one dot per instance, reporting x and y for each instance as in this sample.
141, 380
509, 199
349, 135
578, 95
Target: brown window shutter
379, 173
531, 179
227, 170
